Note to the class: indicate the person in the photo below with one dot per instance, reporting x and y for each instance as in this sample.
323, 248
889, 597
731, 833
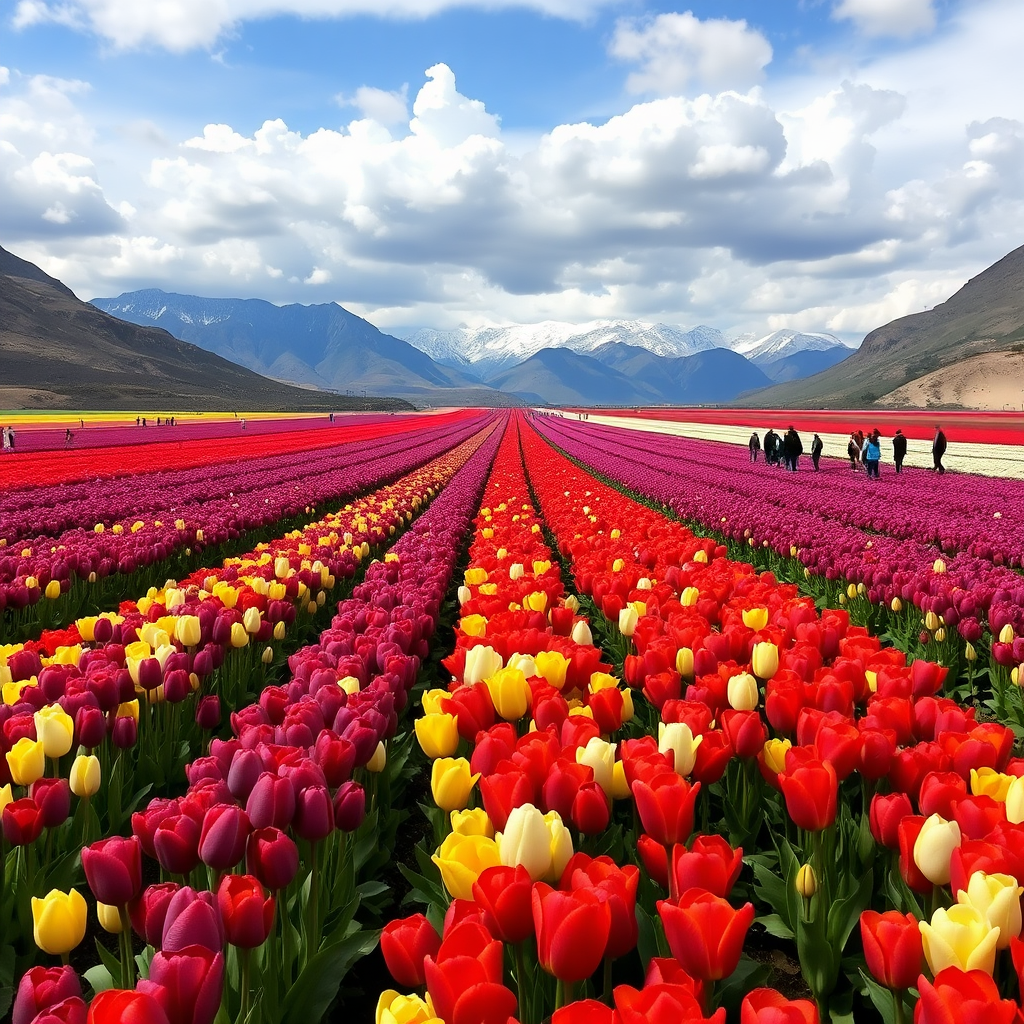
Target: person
3, 434
138, 421
771, 447
816, 448
792, 448
853, 450
938, 449
899, 449
243, 423
873, 453
68, 437
10, 438
143, 420
755, 446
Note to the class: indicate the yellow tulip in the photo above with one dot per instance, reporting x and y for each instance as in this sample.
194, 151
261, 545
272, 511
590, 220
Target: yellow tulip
378, 762
473, 625
1006, 634
451, 782
678, 738
394, 1008
85, 775
87, 627
55, 729
602, 681
764, 660
627, 620
627, 705
509, 693
476, 576
58, 921
239, 637
742, 692
896, 605
282, 567
129, 708
541, 566
433, 701
536, 602
552, 666
989, 782
187, 630
775, 755
52, 591
690, 595
755, 618
251, 620
599, 755
684, 662
935, 844
931, 622
960, 937
620, 787
109, 918
6, 797
1015, 801
26, 761
438, 735
806, 882
472, 822
461, 859
997, 898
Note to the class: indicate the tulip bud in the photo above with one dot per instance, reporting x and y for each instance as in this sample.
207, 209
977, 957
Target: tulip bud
931, 622
678, 738
465, 594
938, 566
85, 775
806, 882
764, 660
268, 656
935, 844
52, 591
684, 662
627, 620
1006, 634
26, 761
690, 595
970, 654
109, 918
280, 630
572, 603
896, 605
581, 634
55, 729
742, 692
251, 620
379, 760
940, 634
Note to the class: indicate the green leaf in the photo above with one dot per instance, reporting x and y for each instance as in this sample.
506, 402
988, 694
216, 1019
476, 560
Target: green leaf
100, 979
881, 998
109, 961
317, 986
773, 924
749, 974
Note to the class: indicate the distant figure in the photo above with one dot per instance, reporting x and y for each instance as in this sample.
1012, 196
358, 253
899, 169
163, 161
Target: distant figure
10, 438
872, 454
853, 451
143, 420
81, 423
899, 449
158, 421
243, 423
938, 449
755, 446
68, 438
771, 447
792, 448
138, 421
173, 424
6, 440
816, 448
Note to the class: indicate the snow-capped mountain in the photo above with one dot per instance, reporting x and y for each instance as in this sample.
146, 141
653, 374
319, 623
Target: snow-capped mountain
488, 349
782, 344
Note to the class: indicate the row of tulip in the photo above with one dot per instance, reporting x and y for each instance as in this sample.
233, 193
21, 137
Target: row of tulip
970, 601
757, 660
49, 580
299, 794
215, 632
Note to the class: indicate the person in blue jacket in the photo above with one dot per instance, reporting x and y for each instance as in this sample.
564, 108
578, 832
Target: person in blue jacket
873, 453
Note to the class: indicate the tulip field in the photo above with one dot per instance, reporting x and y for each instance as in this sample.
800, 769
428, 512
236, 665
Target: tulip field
493, 717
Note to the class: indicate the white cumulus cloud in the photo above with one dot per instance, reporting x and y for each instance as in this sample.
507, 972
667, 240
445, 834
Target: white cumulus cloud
901, 18
382, 106
675, 50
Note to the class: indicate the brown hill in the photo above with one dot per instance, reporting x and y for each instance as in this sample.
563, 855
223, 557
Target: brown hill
58, 352
986, 315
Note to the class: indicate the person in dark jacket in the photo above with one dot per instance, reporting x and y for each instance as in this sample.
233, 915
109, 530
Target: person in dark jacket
792, 449
771, 447
816, 448
899, 449
938, 449
755, 446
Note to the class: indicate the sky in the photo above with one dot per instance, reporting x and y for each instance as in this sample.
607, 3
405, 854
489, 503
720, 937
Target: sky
823, 165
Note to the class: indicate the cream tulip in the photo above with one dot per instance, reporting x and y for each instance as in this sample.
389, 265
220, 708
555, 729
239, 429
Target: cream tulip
997, 898
935, 844
481, 662
599, 755
960, 937
678, 738
742, 692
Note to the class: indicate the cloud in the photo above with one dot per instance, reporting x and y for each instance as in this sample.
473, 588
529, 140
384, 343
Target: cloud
181, 25
900, 18
387, 108
675, 50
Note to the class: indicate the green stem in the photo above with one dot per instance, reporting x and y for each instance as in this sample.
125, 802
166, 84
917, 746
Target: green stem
524, 1016
608, 980
127, 961
900, 1011
244, 955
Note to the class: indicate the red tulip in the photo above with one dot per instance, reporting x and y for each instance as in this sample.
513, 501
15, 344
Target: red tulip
766, 1006
123, 1006
959, 997
712, 758
406, 943
909, 829
591, 811
811, 791
113, 869
176, 843
192, 919
149, 909
248, 913
507, 895
314, 814
745, 730
586, 1011
272, 857
72, 1010
43, 987
705, 933
892, 947
349, 806
710, 863
655, 859
572, 931
222, 841
193, 979
617, 887
271, 802
466, 974
665, 805
661, 1004
885, 815
22, 822
53, 797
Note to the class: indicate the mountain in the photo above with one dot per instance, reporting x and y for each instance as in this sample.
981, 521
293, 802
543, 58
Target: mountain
322, 346
618, 375
985, 315
783, 344
488, 350
798, 365
59, 352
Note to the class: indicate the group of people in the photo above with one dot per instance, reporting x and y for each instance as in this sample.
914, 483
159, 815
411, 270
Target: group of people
161, 421
787, 448
8, 437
